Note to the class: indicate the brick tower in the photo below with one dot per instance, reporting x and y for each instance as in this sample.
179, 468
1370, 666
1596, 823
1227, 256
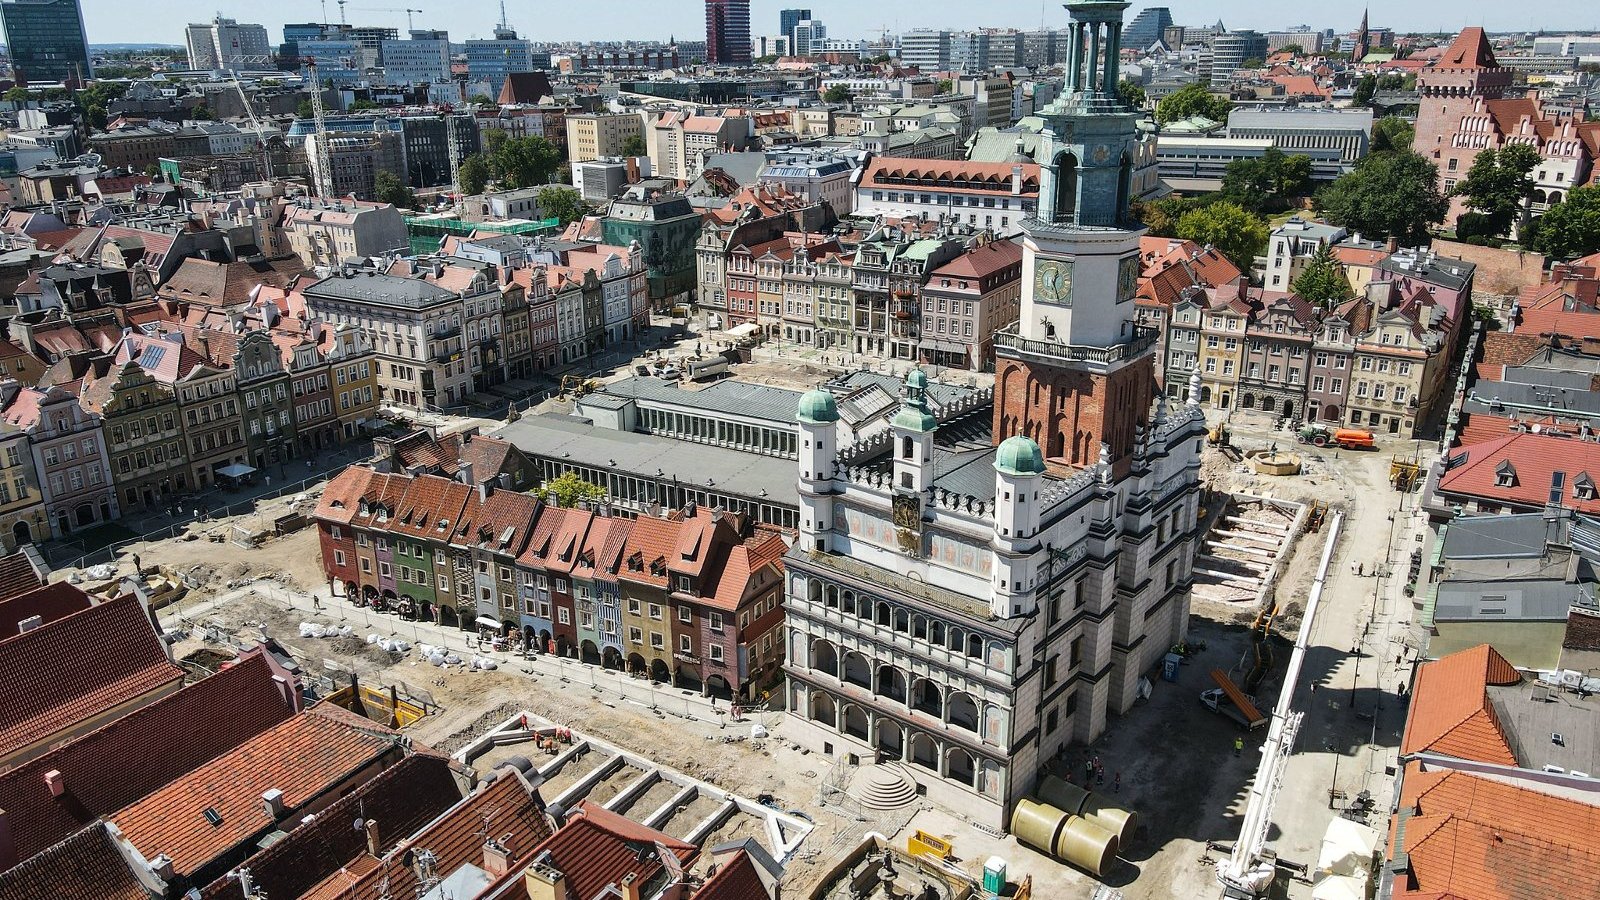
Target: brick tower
1075, 374
1452, 114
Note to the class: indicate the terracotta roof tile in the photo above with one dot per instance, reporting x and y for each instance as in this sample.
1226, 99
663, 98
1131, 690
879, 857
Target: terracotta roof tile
341, 496
1450, 709
49, 683
738, 879
304, 757
49, 603
170, 737
86, 866
18, 574
649, 550
1475, 470
596, 848
1470, 50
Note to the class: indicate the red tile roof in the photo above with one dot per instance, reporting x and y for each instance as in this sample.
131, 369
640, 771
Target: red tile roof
305, 757
79, 667
752, 562
1470, 50
1474, 470
49, 603
950, 176
1482, 839
19, 573
342, 496
995, 256
402, 799
596, 848
507, 807
738, 879
649, 543
86, 866
170, 737
1451, 713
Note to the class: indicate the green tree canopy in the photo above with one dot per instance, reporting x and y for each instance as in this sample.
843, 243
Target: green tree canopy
387, 188
562, 203
1389, 195
1237, 234
1294, 49
1323, 280
362, 105
1497, 185
153, 170
1161, 217
569, 490
1572, 227
201, 113
18, 94
474, 174
633, 145
480, 100
1268, 182
1392, 133
944, 86
524, 162
304, 110
836, 94
1192, 99
1365, 88
1131, 94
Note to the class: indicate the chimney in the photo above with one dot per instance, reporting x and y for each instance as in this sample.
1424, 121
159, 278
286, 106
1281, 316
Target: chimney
630, 886
29, 624
1016, 180
161, 867
465, 473
56, 782
485, 488
272, 803
497, 856
1393, 244
371, 827
544, 881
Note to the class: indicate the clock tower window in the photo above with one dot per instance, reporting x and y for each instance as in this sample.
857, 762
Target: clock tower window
1066, 207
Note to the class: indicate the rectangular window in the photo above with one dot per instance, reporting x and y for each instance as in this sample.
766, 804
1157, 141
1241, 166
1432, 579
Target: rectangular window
655, 611
657, 642
715, 650
685, 645
635, 636
685, 615
716, 622
564, 615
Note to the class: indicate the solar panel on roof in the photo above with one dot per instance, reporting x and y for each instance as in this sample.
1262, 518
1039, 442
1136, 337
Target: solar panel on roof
152, 355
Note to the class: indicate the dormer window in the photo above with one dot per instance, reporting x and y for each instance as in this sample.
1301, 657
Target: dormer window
1583, 487
1505, 475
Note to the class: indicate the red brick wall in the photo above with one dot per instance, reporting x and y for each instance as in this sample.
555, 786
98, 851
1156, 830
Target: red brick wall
346, 543
1499, 271
1070, 412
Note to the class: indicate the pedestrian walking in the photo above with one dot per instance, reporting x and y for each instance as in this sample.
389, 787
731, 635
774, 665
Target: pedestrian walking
1238, 746
1088, 771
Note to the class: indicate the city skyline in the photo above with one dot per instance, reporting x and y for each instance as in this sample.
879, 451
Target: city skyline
163, 21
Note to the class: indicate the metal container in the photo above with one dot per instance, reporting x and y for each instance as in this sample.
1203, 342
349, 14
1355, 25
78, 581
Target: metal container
1086, 845
1120, 822
1037, 824
1062, 794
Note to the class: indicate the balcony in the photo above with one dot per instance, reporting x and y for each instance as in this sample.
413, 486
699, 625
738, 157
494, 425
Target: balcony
1008, 343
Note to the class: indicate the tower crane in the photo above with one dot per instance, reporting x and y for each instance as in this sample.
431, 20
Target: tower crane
452, 138
319, 138
257, 127
408, 12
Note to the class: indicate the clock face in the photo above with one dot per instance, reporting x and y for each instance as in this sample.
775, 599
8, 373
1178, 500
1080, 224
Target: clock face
1052, 281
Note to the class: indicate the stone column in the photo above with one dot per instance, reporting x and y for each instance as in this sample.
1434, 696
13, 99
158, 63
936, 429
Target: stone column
1113, 59
1094, 53
1074, 57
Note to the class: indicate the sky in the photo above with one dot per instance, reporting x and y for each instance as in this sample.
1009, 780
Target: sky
162, 21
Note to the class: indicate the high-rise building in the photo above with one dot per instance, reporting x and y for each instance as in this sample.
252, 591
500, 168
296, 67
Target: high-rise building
1230, 51
492, 60
926, 49
807, 37
789, 18
1147, 27
728, 32
970, 613
46, 40
370, 41
424, 59
228, 45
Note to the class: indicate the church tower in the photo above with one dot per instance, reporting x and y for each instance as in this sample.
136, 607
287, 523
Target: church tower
1075, 372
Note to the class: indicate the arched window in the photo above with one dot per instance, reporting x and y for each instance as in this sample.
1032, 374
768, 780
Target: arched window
1066, 187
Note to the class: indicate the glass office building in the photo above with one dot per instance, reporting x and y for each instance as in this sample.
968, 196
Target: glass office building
47, 40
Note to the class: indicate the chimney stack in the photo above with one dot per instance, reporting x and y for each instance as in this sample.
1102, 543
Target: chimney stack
56, 782
465, 473
371, 827
272, 802
544, 881
497, 856
630, 886
1393, 245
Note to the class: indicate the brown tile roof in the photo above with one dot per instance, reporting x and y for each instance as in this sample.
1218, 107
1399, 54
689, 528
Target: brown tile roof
502, 523
506, 807
170, 737
86, 866
1451, 713
1484, 839
402, 799
596, 848
304, 757
79, 667
649, 550
745, 561
49, 603
738, 879
1474, 469
341, 497
19, 574
1470, 50
429, 501
995, 256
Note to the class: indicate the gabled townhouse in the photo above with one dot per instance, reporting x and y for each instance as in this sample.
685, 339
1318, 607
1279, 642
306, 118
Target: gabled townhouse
1277, 356
1400, 361
22, 511
418, 534
1333, 350
142, 422
69, 454
968, 299
493, 529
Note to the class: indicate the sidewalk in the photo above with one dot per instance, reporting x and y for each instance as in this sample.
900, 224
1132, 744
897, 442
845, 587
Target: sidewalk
605, 683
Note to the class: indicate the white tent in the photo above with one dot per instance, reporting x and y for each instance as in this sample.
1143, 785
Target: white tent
1340, 887
1348, 848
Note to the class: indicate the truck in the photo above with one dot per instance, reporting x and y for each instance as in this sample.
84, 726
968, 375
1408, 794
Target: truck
1226, 699
1347, 438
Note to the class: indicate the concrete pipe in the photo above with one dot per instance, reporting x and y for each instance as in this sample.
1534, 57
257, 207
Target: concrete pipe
1120, 822
1062, 794
1037, 825
1087, 846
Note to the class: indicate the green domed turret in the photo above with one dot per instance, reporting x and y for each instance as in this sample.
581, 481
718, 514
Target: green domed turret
914, 412
1018, 455
818, 408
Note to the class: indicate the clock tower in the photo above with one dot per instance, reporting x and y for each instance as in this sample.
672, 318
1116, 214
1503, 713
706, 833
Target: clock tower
1075, 372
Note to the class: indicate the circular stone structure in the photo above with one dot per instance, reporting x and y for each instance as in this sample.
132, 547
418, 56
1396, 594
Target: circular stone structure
1266, 462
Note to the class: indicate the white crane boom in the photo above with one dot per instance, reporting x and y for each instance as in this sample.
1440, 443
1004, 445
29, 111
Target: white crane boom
319, 138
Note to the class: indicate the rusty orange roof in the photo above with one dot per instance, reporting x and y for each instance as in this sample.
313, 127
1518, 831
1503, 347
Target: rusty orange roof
1450, 709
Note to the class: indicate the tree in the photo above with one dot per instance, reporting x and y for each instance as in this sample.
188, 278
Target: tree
1292, 49
480, 100
1267, 182
562, 203
1235, 233
633, 145
304, 110
201, 113
1392, 133
1323, 280
944, 86
1161, 217
1388, 194
153, 170
387, 188
474, 174
1254, 62
524, 162
1498, 186
569, 490
362, 105
1192, 100
1131, 94
18, 94
1365, 88
837, 93
1572, 227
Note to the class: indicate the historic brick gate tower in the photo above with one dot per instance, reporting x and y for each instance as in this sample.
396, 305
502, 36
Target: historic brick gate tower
1075, 374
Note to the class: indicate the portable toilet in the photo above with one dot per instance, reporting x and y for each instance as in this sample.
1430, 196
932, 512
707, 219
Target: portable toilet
994, 875
1169, 666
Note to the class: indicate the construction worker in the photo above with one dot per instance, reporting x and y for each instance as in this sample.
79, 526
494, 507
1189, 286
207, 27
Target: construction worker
1238, 746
